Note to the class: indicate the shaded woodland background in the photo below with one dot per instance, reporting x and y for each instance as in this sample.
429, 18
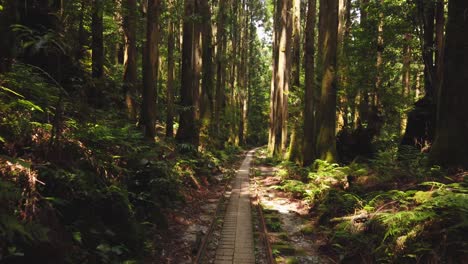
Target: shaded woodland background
112, 110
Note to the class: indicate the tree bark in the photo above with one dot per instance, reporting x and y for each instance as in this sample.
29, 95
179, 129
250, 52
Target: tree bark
326, 112
296, 139
150, 70
197, 63
439, 45
130, 77
274, 83
364, 93
220, 67
234, 76
422, 119
426, 12
187, 132
379, 62
406, 76
170, 74
451, 143
206, 105
243, 75
308, 147
281, 75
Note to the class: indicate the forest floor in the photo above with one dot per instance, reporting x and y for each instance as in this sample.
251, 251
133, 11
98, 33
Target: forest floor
287, 220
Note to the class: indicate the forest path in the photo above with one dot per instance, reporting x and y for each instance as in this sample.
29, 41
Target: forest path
237, 243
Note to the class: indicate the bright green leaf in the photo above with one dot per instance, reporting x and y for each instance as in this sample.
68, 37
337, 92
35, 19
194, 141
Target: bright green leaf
10, 91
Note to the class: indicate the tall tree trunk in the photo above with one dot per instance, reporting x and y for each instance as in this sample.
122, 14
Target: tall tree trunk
97, 44
422, 119
439, 45
406, 75
150, 70
130, 77
243, 78
233, 81
220, 66
344, 25
451, 143
197, 64
187, 131
118, 51
296, 137
274, 83
379, 62
426, 12
206, 104
364, 98
308, 147
281, 75
296, 45
170, 74
287, 74
326, 112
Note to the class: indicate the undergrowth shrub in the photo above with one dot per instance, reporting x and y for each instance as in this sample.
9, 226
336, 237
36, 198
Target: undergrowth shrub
405, 226
395, 209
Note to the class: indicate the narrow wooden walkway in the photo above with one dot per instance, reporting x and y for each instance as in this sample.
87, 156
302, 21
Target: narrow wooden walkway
236, 245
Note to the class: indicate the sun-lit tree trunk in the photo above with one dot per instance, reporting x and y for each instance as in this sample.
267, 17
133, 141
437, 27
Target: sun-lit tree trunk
407, 57
451, 142
220, 66
97, 44
406, 76
150, 70
347, 100
296, 44
170, 73
281, 78
118, 49
243, 75
187, 132
379, 62
308, 148
274, 83
364, 95
326, 111
296, 137
285, 52
130, 77
197, 62
206, 100
234, 72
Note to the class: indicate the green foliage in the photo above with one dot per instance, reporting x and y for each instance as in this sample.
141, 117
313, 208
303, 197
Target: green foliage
420, 221
25, 103
272, 220
33, 41
405, 226
324, 169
